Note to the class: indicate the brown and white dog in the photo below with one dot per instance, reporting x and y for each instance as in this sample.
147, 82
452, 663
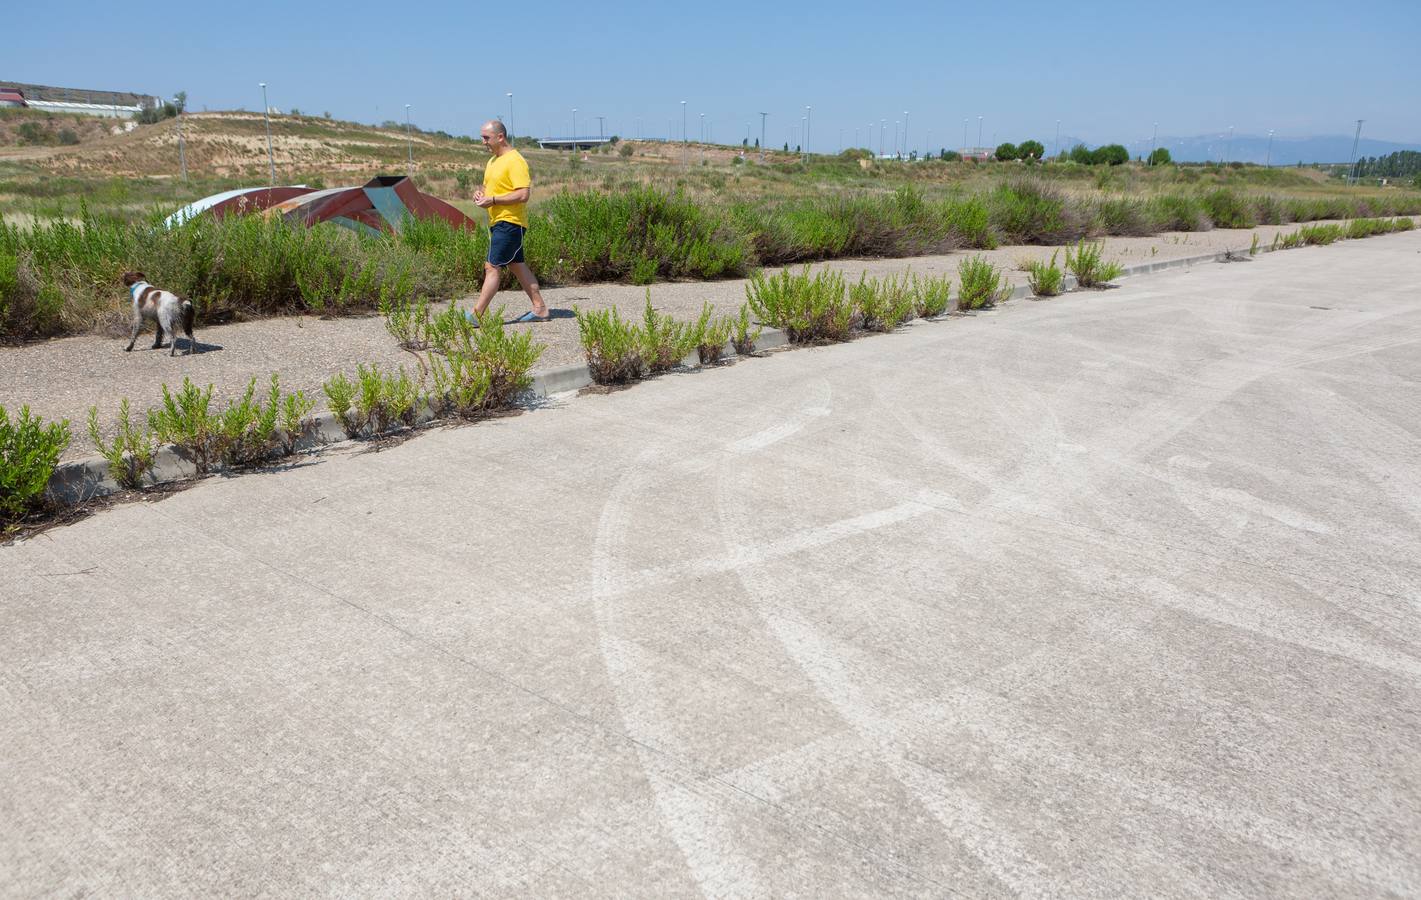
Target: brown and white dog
165, 308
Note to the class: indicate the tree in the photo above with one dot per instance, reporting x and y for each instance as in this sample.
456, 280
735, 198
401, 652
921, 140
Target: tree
1031, 149
1160, 157
1111, 154
949, 155
1006, 152
786, 146
757, 143
745, 142
1081, 154
180, 100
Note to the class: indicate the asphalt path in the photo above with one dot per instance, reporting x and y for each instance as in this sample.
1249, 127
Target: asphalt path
1111, 595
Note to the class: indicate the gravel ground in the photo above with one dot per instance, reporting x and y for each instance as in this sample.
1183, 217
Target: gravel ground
62, 378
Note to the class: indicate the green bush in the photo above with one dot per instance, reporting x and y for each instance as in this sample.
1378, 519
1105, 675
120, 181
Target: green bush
743, 337
810, 308
1087, 263
931, 295
1029, 211
340, 398
1122, 216
29, 453
1178, 212
1030, 150
185, 421
1045, 278
1110, 155
1321, 235
981, 284
665, 341
1159, 157
504, 358
711, 335
882, 305
1007, 152
613, 346
1228, 210
130, 455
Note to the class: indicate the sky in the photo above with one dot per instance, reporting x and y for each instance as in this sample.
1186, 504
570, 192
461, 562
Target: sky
1107, 70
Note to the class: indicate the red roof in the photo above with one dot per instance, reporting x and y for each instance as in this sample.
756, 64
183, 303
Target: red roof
12, 97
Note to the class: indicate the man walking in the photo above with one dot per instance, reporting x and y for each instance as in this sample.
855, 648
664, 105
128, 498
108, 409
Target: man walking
505, 195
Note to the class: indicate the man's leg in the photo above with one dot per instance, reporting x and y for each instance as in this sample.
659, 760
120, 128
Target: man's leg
492, 276
530, 287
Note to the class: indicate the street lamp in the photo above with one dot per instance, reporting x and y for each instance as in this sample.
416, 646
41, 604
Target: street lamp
685, 144
1268, 156
1229, 147
905, 133
762, 135
1154, 142
979, 132
895, 138
964, 137
881, 124
574, 131
1352, 166
409, 144
808, 120
182, 151
509, 129
600, 121
270, 159
1057, 151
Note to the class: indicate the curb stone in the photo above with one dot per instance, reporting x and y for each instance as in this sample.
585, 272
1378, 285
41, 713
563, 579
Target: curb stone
80, 480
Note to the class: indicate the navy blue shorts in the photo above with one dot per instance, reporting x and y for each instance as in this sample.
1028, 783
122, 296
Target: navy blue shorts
505, 243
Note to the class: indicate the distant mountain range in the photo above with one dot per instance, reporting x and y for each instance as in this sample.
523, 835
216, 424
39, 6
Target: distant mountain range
1250, 148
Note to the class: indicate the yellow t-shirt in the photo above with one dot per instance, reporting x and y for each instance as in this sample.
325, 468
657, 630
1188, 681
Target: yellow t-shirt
504, 175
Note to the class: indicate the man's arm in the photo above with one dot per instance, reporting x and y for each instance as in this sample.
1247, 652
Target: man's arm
517, 196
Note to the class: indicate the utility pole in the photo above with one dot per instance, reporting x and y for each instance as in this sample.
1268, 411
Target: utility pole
807, 119
600, 121
1229, 147
881, 125
1268, 156
270, 159
685, 144
1352, 167
905, 134
762, 135
1154, 142
1058, 138
979, 132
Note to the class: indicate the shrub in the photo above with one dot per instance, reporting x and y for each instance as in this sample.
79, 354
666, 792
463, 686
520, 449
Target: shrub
1045, 278
29, 452
1030, 150
1110, 155
931, 295
613, 346
1122, 216
1007, 152
743, 338
504, 357
1178, 212
665, 341
882, 305
1321, 235
407, 322
130, 456
383, 399
1402, 224
808, 307
1087, 263
1227, 210
1159, 157
711, 336
340, 397
1290, 240
185, 422
981, 284
1029, 211
295, 419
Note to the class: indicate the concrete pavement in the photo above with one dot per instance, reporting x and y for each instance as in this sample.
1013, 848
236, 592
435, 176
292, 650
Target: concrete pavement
1113, 595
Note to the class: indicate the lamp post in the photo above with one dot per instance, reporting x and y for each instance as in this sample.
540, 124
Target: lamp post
979, 132
905, 133
601, 120
895, 138
881, 125
685, 144
182, 151
1057, 151
1268, 156
803, 137
808, 120
1229, 147
1352, 167
409, 143
762, 135
574, 131
964, 137
1154, 142
510, 115
270, 158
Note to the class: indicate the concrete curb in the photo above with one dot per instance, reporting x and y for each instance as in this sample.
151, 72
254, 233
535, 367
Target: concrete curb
81, 480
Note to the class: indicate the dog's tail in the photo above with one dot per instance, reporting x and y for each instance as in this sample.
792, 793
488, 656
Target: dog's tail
189, 316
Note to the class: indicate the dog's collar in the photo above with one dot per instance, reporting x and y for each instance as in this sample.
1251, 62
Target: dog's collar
138, 287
